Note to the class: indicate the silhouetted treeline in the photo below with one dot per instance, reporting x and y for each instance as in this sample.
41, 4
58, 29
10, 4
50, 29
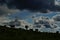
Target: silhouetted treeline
21, 34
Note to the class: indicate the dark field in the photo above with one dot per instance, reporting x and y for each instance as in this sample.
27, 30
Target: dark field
21, 34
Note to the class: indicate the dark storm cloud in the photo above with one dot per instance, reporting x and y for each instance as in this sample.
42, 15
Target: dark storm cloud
33, 5
28, 4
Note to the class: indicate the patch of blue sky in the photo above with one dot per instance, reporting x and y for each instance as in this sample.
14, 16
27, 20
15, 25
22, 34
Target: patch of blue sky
49, 15
26, 15
21, 15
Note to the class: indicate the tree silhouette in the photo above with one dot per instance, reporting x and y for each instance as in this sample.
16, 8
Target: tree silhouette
31, 30
57, 32
26, 27
12, 26
36, 30
5, 25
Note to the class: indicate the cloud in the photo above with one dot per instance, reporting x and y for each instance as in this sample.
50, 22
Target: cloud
52, 28
32, 5
4, 10
56, 17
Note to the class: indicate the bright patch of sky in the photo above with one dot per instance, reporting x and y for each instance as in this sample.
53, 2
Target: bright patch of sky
26, 15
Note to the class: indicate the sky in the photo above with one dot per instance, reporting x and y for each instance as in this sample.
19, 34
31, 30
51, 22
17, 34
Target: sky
27, 15
24, 9
31, 5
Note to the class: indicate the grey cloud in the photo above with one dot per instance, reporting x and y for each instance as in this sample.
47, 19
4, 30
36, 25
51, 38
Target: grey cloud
57, 17
4, 10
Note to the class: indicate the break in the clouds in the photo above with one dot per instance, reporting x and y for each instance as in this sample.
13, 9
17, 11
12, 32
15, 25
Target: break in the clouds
32, 5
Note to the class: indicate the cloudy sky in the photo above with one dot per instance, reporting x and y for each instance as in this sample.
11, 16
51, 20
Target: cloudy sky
24, 9
31, 6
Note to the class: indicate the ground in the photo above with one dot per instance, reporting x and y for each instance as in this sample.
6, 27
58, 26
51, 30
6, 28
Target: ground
21, 34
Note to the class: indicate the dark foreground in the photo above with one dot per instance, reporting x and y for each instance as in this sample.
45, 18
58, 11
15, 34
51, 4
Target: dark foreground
21, 34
